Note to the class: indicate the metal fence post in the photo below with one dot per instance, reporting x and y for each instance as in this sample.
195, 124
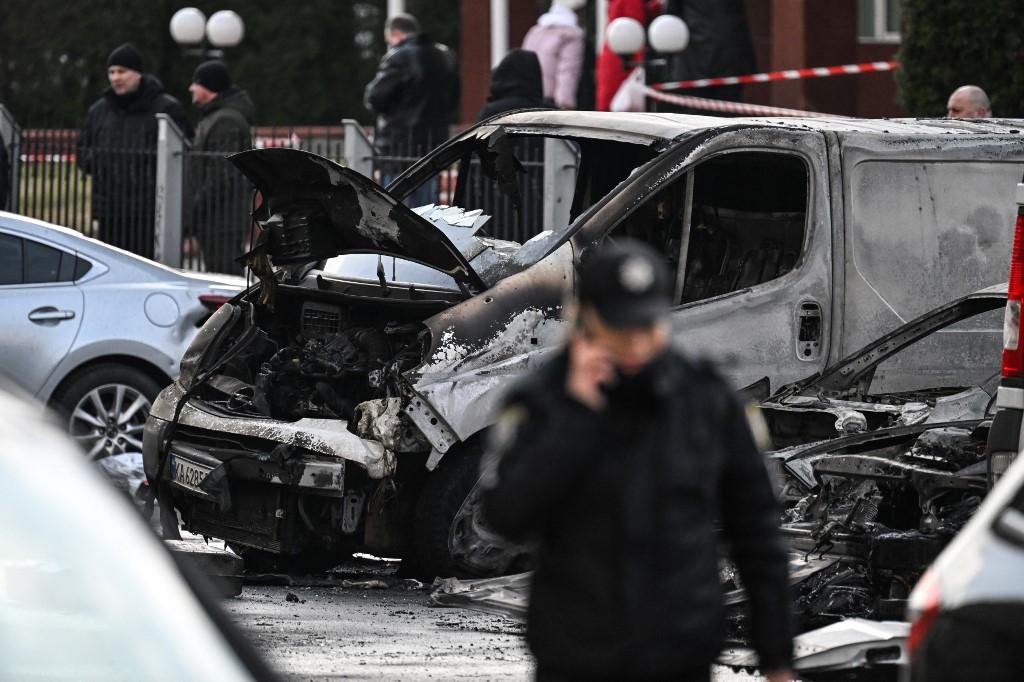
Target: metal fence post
559, 182
11, 134
358, 150
170, 152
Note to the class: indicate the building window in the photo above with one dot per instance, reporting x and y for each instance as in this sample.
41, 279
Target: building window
878, 21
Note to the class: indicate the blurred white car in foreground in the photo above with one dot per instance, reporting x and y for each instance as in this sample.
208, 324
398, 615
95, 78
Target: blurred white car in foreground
967, 611
86, 590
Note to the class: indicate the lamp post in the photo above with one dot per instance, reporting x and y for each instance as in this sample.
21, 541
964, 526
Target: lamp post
206, 38
667, 35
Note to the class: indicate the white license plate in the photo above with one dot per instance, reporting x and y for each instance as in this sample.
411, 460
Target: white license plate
188, 474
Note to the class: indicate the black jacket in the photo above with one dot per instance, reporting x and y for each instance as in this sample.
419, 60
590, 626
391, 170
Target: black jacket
221, 196
515, 84
117, 147
225, 122
415, 95
719, 44
625, 505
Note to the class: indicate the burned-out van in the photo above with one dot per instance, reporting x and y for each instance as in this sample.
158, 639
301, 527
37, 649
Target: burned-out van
340, 403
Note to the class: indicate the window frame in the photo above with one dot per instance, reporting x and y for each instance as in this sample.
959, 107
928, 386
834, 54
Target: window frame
879, 32
688, 225
43, 242
687, 175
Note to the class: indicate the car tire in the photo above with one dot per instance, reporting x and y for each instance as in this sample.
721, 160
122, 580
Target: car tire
442, 496
121, 393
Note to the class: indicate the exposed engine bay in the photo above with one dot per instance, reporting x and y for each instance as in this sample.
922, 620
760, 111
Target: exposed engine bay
317, 359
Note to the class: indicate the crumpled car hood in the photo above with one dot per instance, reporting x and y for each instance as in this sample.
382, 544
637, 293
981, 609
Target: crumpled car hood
314, 209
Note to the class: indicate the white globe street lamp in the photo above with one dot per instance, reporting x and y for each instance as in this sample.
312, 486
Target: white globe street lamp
668, 34
625, 36
202, 38
225, 29
187, 26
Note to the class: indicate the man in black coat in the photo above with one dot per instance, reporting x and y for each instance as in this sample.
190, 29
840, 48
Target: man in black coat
621, 457
516, 83
415, 95
117, 147
221, 196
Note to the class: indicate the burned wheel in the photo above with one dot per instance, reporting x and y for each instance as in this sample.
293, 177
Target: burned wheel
106, 408
442, 497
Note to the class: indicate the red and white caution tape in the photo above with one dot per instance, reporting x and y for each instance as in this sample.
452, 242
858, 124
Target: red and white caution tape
743, 108
787, 75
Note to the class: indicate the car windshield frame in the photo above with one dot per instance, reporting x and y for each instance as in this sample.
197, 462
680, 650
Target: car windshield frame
454, 150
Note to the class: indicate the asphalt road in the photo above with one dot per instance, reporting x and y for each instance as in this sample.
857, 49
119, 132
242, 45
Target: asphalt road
354, 633
317, 629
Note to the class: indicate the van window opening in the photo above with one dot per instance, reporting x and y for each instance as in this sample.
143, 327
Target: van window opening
748, 221
746, 213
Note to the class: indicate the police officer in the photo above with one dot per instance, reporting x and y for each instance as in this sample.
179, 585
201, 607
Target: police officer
621, 457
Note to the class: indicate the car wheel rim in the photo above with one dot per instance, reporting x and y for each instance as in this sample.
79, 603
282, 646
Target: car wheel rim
109, 420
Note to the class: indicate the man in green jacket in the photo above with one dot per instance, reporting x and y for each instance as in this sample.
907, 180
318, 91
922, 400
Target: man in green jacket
221, 197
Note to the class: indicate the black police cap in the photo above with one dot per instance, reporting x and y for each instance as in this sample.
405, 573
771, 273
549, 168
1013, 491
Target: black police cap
627, 283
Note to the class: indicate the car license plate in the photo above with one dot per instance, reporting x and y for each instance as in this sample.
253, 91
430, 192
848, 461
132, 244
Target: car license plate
188, 474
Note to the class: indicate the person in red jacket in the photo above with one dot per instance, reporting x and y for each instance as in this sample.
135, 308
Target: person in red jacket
611, 72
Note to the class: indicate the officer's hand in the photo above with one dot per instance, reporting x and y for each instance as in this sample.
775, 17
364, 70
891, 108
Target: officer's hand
590, 367
780, 676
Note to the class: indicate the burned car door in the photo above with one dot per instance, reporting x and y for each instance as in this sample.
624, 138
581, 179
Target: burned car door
743, 219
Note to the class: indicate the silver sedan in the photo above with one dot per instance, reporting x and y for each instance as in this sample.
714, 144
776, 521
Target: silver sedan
93, 331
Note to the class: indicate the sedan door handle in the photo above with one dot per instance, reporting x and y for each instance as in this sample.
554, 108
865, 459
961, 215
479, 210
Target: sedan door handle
50, 314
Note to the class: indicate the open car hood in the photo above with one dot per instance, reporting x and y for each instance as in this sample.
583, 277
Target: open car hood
314, 209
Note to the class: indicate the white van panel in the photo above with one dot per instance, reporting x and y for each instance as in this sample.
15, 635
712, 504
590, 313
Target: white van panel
920, 232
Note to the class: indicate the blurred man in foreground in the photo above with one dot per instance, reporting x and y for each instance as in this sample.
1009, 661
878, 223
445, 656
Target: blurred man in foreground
620, 457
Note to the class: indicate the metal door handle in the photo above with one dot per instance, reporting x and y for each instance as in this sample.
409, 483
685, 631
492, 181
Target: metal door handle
808, 331
50, 314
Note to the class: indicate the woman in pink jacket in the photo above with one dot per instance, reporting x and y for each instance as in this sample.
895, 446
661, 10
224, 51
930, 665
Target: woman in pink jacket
558, 41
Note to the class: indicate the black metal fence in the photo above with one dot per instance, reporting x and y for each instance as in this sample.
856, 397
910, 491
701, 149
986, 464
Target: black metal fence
217, 200
49, 182
109, 192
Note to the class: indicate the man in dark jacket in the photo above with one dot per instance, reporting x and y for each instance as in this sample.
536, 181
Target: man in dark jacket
117, 147
720, 45
620, 457
415, 95
516, 83
221, 200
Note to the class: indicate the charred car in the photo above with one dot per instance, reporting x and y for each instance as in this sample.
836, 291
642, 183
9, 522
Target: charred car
340, 402
879, 507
